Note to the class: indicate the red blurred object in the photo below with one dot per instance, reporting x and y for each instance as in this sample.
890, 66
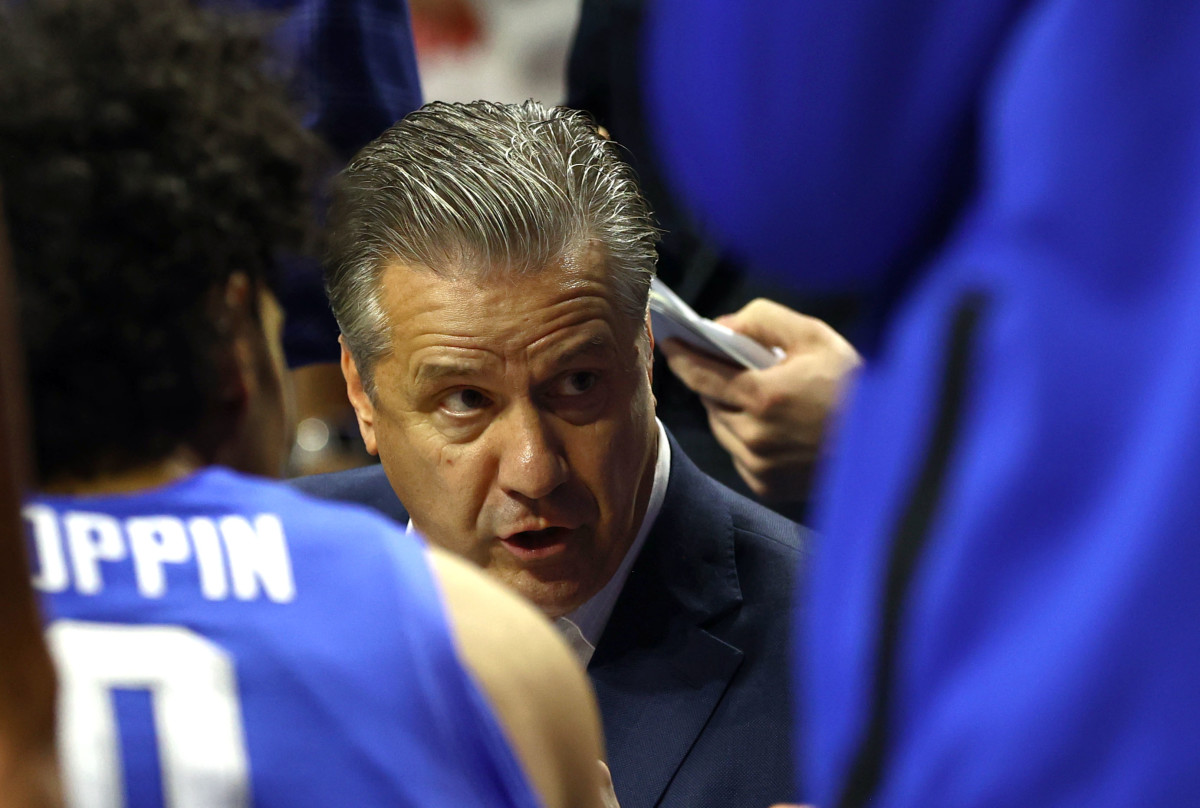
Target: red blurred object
445, 27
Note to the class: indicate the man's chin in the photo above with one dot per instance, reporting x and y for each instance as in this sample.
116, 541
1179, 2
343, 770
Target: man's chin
553, 596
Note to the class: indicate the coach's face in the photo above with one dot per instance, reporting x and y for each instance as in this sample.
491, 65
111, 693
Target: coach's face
515, 421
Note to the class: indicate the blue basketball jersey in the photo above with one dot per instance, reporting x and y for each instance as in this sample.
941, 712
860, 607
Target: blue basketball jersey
225, 641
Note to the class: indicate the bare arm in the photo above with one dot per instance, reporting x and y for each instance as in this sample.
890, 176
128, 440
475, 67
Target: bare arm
538, 690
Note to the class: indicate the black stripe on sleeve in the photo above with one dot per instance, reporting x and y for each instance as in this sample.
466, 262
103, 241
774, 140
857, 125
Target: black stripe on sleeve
911, 536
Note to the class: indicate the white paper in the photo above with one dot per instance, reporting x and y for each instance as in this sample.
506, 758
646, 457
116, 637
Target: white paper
671, 318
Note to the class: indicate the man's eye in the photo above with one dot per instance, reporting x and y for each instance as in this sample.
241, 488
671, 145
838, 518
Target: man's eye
464, 401
576, 384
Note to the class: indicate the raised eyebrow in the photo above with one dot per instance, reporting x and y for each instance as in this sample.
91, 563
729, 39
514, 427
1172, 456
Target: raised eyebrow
436, 371
596, 344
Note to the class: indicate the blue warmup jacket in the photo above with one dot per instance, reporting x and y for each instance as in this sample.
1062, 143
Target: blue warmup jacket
1003, 605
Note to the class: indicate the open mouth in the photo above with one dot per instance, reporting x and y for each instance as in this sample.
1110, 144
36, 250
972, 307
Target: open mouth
529, 545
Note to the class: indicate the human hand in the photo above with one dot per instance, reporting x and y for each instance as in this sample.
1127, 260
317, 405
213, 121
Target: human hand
771, 421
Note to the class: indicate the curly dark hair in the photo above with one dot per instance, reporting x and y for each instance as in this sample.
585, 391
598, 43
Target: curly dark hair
147, 152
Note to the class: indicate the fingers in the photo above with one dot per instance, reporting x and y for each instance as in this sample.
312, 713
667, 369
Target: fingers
750, 432
773, 324
712, 378
771, 421
744, 461
775, 466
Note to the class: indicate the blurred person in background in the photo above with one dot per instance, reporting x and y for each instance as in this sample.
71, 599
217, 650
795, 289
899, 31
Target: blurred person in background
1002, 607
222, 640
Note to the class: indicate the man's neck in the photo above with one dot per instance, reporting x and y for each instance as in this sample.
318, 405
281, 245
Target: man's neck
175, 466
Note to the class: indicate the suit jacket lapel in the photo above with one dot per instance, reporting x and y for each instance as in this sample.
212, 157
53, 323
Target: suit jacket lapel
658, 672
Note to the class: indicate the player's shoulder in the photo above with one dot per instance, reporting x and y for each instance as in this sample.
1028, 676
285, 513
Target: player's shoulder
337, 553
312, 525
259, 493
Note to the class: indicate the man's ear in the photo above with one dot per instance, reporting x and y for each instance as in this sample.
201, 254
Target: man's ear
225, 437
364, 410
238, 380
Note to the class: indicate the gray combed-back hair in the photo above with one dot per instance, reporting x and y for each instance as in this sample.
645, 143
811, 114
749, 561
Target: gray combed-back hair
483, 188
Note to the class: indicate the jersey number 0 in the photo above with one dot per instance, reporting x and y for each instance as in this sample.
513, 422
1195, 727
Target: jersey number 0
197, 720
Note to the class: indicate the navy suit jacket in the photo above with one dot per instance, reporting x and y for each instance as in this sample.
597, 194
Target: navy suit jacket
691, 672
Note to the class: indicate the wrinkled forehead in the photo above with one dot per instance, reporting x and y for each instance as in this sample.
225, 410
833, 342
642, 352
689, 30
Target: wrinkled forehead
501, 306
468, 263
582, 269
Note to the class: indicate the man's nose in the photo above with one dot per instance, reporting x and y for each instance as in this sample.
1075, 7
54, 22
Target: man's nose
532, 460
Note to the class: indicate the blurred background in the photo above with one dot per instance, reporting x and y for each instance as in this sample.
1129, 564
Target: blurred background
502, 50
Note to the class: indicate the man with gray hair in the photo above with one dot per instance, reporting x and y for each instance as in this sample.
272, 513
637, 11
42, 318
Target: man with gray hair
490, 269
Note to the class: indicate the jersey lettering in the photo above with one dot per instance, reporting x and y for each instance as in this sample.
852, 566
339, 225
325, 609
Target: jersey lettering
233, 556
